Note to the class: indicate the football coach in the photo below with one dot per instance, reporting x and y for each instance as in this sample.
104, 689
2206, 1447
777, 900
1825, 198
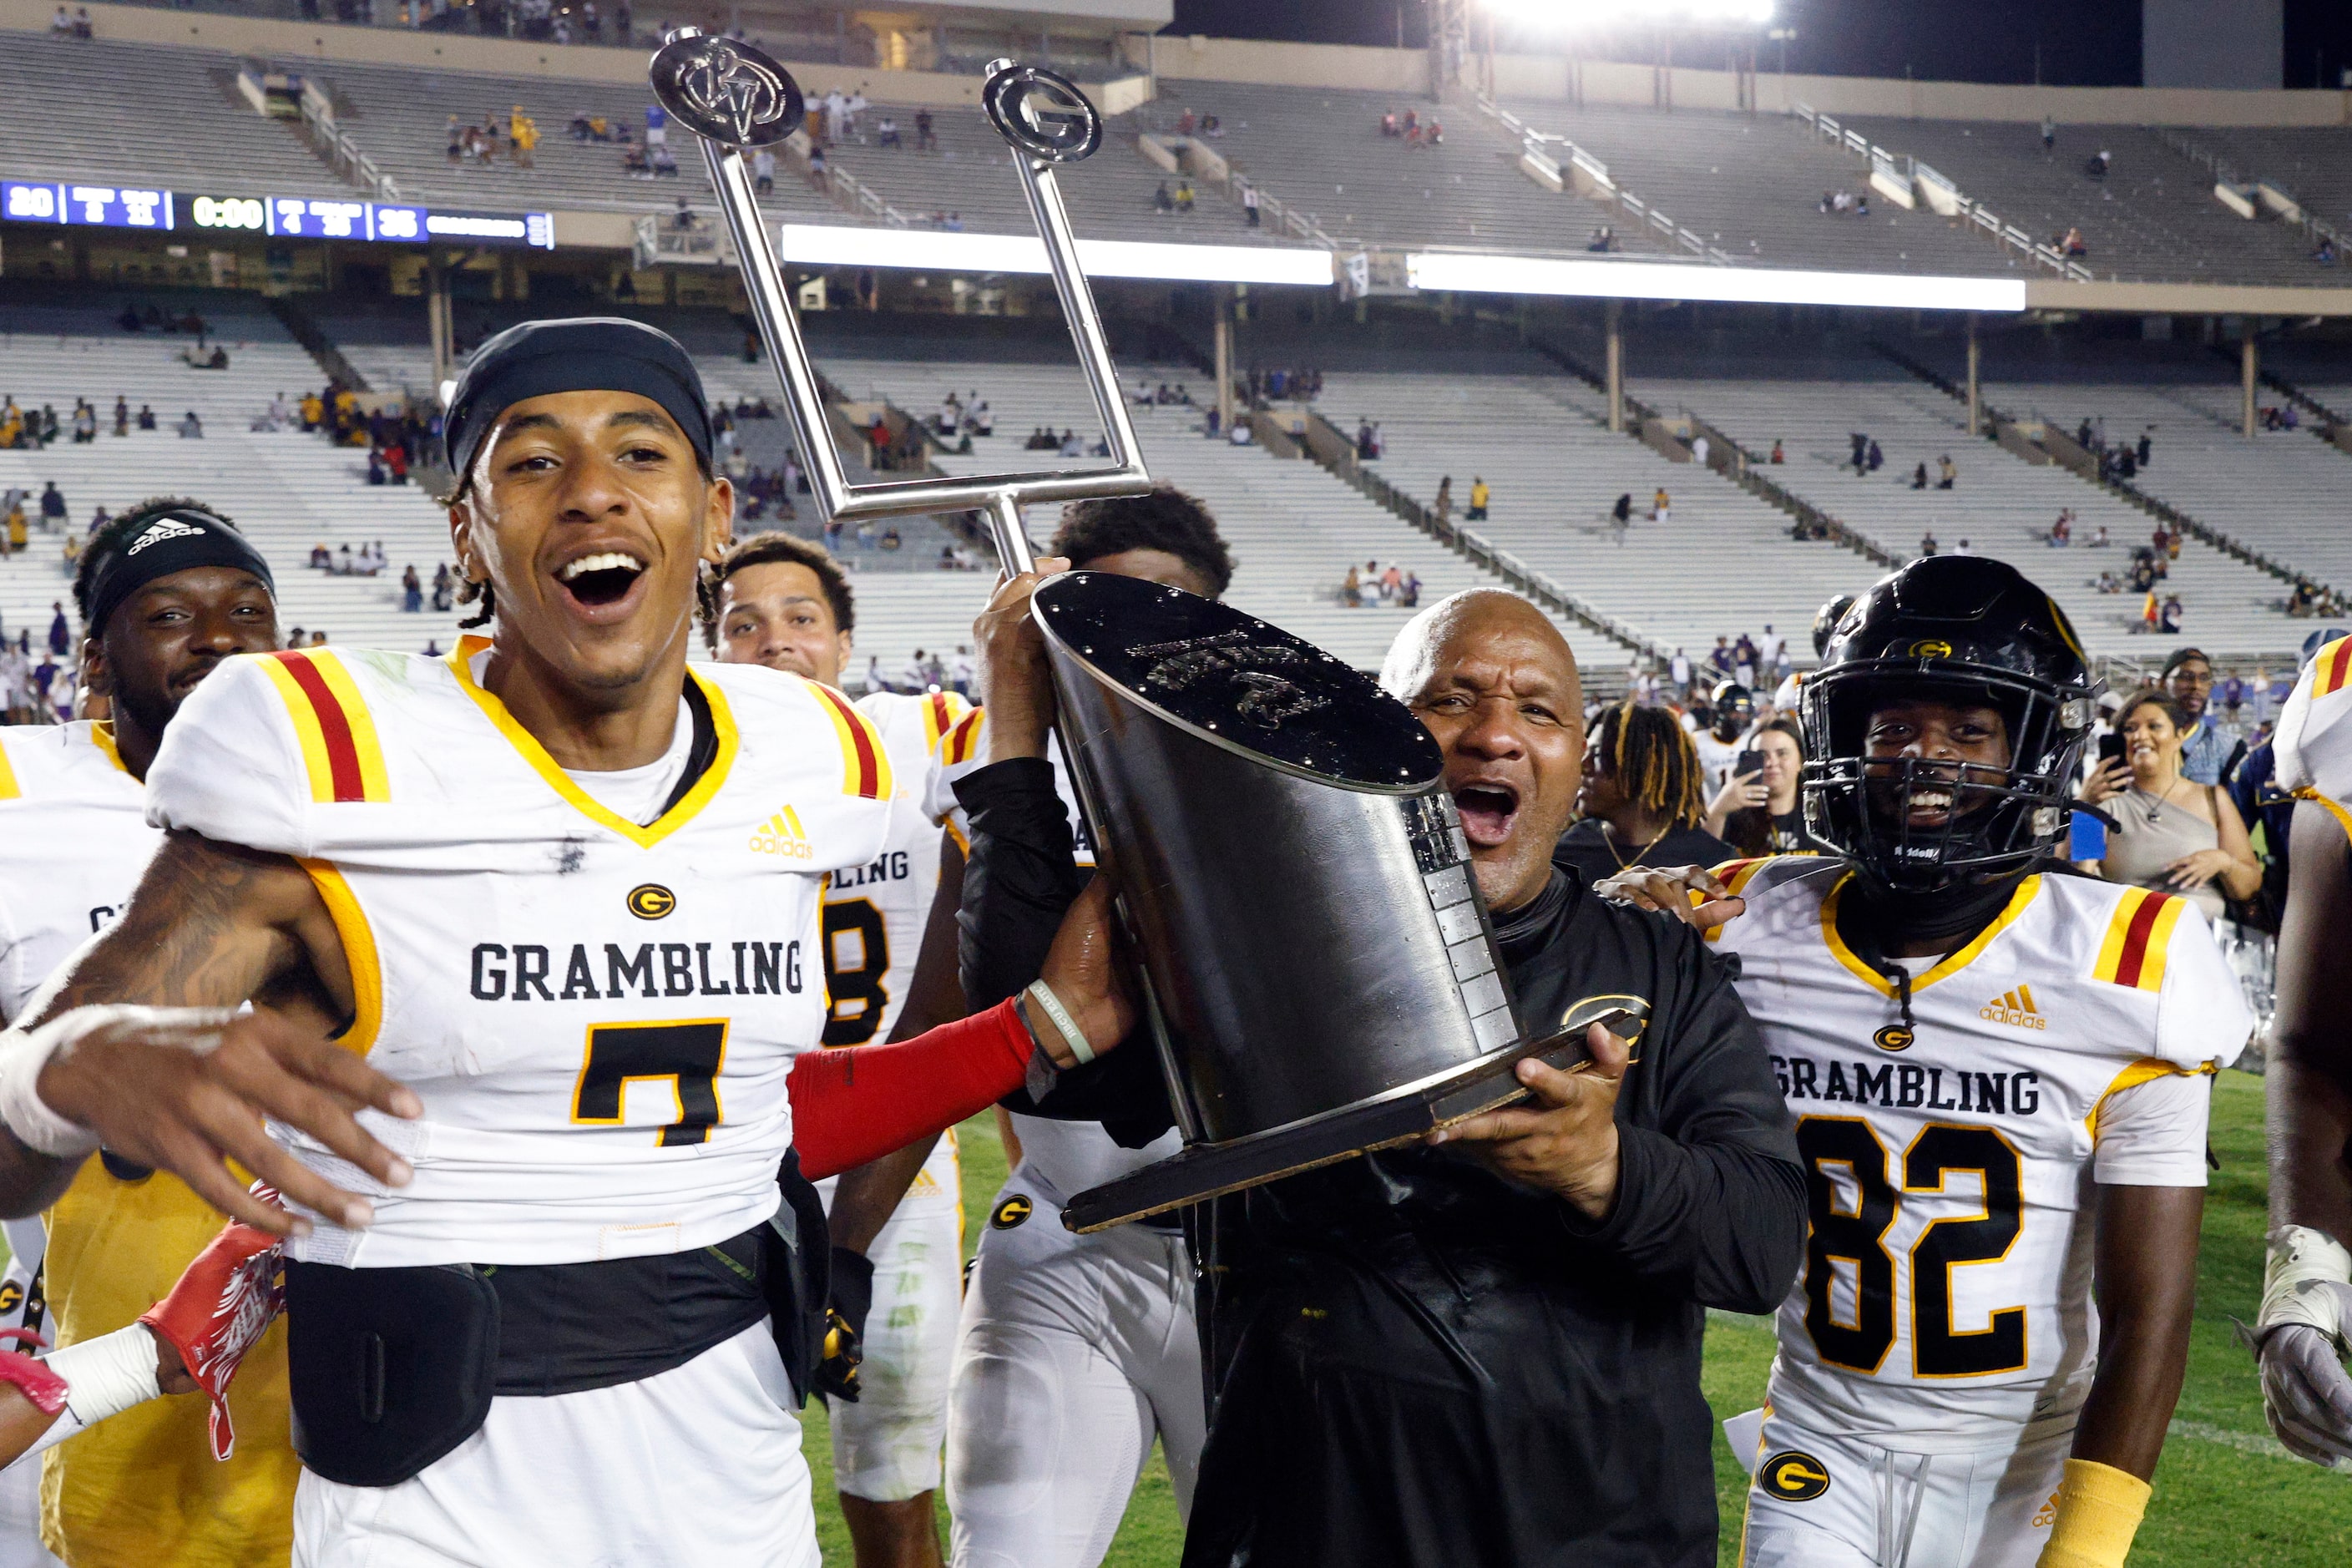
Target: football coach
1483, 1350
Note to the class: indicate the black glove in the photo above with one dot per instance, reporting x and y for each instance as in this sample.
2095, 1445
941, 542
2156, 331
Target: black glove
849, 1298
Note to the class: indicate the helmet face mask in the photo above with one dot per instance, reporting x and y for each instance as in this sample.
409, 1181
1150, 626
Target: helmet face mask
1960, 632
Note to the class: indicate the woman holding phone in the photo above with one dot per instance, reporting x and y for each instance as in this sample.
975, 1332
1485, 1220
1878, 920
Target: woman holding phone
1757, 811
2170, 833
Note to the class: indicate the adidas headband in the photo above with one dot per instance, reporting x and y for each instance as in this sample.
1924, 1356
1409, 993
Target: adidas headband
180, 540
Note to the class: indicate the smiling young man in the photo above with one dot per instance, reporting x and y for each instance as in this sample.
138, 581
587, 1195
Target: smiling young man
1488, 1351
538, 1309
1999, 1074
169, 590
889, 974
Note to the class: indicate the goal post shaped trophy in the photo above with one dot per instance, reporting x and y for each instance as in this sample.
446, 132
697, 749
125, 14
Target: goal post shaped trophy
1317, 966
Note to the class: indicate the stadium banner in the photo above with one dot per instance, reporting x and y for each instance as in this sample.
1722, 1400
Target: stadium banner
1487, 274
92, 205
834, 245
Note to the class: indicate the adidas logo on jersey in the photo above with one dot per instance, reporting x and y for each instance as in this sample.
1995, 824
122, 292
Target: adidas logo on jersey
782, 834
2014, 1008
166, 528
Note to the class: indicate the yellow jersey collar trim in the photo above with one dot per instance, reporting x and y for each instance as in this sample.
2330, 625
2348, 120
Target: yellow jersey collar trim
101, 735
527, 746
2026, 893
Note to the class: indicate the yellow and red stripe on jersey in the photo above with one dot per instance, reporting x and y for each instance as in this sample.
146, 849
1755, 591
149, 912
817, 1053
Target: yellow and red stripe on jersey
866, 766
964, 740
1735, 875
2147, 1069
2343, 817
940, 711
330, 720
2137, 937
2331, 667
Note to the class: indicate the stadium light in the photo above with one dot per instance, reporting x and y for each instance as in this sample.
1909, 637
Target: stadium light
833, 245
1592, 13
1439, 271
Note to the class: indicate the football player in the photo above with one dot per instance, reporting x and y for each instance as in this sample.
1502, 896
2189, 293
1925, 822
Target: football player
1999, 1075
2300, 1337
169, 590
541, 1304
897, 1225
1734, 710
1076, 1351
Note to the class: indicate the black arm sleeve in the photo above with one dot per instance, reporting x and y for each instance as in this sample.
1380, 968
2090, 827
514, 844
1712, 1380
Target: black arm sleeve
1021, 875
1710, 1200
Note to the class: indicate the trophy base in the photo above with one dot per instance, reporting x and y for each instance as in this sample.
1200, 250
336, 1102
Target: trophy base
1207, 1171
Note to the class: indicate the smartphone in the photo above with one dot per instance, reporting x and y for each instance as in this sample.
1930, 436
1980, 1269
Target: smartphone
2086, 837
2111, 746
1750, 762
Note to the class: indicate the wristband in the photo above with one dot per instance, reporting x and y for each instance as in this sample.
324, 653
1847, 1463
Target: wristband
2301, 1258
2099, 1509
1074, 1038
108, 1374
23, 1053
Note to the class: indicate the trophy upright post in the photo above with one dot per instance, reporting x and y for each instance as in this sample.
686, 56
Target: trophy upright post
733, 95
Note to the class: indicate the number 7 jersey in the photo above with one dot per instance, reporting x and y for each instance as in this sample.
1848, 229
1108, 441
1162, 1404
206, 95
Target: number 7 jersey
1951, 1165
599, 1016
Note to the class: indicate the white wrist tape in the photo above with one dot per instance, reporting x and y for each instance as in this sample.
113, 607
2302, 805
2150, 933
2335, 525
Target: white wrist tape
108, 1374
24, 1052
2301, 1258
1043, 996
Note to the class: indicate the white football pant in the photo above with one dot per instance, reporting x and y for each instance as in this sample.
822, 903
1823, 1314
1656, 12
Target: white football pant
1075, 1352
885, 1447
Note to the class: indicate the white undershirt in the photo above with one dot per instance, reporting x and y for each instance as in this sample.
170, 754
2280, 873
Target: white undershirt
636, 794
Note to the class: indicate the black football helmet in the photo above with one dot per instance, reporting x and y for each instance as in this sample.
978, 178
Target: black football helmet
1733, 707
1825, 620
1959, 627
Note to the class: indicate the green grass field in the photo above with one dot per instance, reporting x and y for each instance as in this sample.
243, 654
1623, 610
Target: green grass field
2226, 1495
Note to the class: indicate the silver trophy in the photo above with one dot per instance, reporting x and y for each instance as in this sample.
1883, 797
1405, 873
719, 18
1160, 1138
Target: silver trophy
1318, 969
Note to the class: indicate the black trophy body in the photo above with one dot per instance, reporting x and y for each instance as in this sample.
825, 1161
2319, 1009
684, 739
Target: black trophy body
1295, 875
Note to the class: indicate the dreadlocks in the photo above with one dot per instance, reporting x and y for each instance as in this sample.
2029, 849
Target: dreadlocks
1652, 761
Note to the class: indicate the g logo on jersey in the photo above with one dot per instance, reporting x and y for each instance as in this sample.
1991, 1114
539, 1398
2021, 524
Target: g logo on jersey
1895, 1038
12, 1295
1014, 1210
1793, 1477
651, 900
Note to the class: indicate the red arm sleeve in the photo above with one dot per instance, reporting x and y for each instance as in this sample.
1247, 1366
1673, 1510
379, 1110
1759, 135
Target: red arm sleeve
855, 1104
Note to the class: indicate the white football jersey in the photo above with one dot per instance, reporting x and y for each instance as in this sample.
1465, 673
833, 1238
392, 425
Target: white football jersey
74, 840
598, 1016
874, 914
1068, 1156
2313, 743
1946, 1295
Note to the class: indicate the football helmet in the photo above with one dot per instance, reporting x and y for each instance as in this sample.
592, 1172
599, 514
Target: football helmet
1734, 708
1960, 628
1825, 620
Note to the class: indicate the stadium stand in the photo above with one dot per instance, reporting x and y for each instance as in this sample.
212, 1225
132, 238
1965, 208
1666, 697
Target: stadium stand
2281, 493
288, 490
2307, 163
96, 120
1810, 399
2152, 217
1753, 186
1540, 440
1292, 527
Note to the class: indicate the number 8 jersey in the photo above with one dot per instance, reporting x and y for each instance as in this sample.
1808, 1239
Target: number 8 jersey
1949, 1166
598, 1016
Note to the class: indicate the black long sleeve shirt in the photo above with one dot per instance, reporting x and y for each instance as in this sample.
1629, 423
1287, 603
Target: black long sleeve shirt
1422, 1364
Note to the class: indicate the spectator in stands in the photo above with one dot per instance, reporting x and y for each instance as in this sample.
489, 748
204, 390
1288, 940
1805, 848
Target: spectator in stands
1184, 194
191, 427
61, 630
2071, 242
927, 134
61, 25
763, 171
1919, 475
2101, 161
1662, 507
817, 170
1759, 812
17, 536
1603, 239
1478, 497
2146, 444
53, 507
376, 471
1640, 802
1621, 514
886, 134
2172, 830
1161, 202
2062, 533
2325, 254
1946, 475
1777, 455
664, 164
317, 638
445, 588
523, 131
2049, 136
1874, 457
1351, 588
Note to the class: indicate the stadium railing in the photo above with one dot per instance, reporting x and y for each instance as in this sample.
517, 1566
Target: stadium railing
1944, 196
1536, 146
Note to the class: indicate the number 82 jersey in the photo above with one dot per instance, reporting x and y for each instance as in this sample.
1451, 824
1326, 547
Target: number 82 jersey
1952, 1165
